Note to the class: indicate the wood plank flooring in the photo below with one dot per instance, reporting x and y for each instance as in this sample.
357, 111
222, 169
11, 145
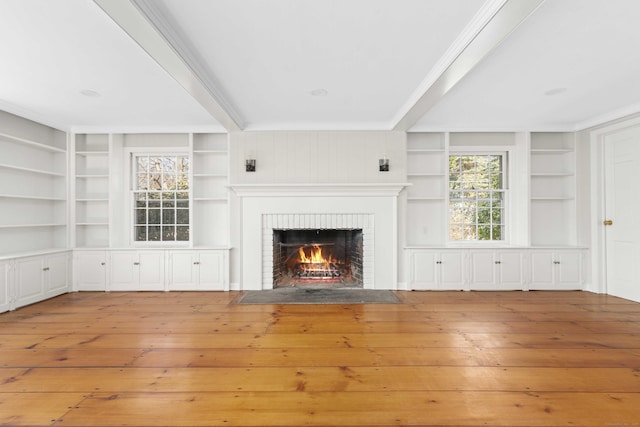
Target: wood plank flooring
437, 359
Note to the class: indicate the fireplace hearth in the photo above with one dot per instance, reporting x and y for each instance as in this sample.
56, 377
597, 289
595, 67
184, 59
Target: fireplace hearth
318, 258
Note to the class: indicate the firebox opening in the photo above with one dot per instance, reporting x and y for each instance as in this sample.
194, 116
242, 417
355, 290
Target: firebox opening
317, 257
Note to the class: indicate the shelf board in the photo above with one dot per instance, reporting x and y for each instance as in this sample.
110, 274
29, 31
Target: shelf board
91, 153
210, 199
88, 224
25, 197
31, 170
31, 225
89, 176
92, 199
209, 175
34, 143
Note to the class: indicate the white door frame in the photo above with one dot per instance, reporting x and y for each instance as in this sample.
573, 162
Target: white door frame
598, 282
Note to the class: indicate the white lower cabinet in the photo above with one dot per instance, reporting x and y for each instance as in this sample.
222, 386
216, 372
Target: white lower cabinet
5, 286
436, 270
40, 277
198, 270
496, 270
137, 270
90, 270
556, 270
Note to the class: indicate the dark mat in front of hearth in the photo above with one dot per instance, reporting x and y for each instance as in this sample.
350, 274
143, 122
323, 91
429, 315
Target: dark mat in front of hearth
319, 296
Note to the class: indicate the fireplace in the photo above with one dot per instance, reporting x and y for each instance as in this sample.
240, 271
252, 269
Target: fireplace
318, 257
267, 208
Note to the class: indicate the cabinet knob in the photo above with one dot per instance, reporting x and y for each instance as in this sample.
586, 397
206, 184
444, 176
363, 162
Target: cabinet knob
556, 262
103, 263
45, 269
136, 263
498, 262
196, 263
438, 262
607, 222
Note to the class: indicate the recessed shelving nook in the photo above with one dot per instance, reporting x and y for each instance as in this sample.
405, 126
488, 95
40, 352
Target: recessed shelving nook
91, 189
209, 189
33, 193
553, 189
426, 197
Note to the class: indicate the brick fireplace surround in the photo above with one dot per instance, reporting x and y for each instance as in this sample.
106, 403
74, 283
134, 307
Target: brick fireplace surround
370, 207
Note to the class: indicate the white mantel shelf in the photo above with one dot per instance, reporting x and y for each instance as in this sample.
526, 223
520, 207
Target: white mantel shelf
319, 190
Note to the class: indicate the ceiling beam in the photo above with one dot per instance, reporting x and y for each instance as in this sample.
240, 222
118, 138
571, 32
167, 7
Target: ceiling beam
491, 26
137, 26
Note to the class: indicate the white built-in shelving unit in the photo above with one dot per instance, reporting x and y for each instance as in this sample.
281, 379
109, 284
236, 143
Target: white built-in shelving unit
553, 189
548, 257
91, 190
426, 197
210, 193
33, 194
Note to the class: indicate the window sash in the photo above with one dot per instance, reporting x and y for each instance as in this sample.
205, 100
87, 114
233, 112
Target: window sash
477, 197
161, 198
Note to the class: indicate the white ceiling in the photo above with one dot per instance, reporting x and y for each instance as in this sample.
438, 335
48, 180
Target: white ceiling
211, 65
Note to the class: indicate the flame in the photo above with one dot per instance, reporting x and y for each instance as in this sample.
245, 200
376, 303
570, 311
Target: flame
315, 256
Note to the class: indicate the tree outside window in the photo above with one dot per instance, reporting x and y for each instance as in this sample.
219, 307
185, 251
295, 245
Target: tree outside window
161, 198
476, 197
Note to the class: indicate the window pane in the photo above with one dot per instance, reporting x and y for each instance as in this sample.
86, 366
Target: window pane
168, 216
141, 216
154, 216
169, 233
182, 216
182, 233
141, 234
154, 233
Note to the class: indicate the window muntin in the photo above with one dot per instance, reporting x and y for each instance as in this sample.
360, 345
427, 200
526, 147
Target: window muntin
161, 198
476, 197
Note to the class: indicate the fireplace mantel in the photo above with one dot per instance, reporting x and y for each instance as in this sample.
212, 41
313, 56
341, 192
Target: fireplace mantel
328, 189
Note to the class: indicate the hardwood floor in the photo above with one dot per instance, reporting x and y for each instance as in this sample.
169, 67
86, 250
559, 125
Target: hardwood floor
437, 359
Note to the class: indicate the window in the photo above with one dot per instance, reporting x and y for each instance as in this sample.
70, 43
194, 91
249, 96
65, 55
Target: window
476, 197
161, 198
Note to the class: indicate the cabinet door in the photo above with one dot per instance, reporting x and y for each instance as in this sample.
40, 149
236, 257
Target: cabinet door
5, 291
542, 271
183, 271
29, 276
90, 271
451, 271
483, 270
510, 270
124, 271
423, 269
568, 270
56, 274
151, 270
211, 271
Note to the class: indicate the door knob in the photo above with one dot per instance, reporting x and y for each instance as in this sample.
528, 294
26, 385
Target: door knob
607, 222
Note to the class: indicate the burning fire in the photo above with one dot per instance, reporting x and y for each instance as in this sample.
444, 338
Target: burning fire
315, 256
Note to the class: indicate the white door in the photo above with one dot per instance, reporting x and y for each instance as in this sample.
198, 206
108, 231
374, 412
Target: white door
622, 204
211, 271
5, 300
182, 271
125, 271
151, 267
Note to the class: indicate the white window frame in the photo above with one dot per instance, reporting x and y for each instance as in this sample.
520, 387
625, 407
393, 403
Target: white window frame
506, 154
132, 154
